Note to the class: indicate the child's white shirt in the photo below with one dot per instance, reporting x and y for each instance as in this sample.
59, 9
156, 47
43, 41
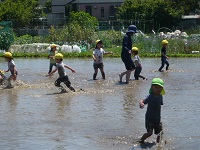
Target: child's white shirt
98, 53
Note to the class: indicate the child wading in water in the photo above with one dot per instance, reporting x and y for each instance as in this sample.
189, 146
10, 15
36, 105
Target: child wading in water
98, 59
164, 58
138, 65
11, 67
51, 56
2, 76
60, 67
153, 114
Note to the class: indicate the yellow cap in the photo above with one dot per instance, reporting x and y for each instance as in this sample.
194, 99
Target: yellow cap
7, 55
134, 49
1, 71
53, 45
97, 41
58, 56
164, 42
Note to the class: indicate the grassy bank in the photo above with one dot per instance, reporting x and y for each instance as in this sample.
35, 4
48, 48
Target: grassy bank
116, 53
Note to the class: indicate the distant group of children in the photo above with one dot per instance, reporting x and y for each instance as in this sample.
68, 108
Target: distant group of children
154, 100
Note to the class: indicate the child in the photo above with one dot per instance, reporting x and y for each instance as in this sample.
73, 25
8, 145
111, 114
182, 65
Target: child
60, 67
2, 76
11, 67
51, 56
98, 59
153, 117
164, 58
137, 62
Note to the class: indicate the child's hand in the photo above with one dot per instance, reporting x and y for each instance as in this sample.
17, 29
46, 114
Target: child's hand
47, 75
73, 71
141, 105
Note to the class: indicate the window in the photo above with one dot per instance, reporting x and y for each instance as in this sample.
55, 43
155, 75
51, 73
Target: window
89, 10
102, 11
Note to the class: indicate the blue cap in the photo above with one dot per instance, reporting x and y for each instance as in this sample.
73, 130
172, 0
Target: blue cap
132, 28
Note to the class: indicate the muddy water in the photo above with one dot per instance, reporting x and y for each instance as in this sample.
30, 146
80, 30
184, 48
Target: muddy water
105, 115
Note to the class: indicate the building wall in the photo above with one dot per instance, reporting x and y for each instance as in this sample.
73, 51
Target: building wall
58, 9
58, 6
42, 2
96, 10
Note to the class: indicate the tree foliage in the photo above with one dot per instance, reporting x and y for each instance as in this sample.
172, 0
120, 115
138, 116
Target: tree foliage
166, 13
85, 20
6, 37
47, 4
189, 6
21, 12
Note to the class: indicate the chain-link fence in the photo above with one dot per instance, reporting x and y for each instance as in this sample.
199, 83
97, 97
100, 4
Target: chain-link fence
6, 35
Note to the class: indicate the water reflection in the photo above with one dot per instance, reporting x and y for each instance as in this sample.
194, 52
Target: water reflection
105, 115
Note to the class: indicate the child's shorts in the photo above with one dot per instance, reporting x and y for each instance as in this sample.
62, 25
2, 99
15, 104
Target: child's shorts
96, 66
156, 127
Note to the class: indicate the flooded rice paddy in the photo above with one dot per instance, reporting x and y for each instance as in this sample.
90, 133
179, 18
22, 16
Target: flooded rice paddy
104, 116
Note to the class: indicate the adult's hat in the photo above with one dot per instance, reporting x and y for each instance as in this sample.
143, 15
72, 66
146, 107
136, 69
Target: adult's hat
132, 29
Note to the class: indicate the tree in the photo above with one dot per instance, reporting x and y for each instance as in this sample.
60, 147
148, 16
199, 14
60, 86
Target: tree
85, 20
189, 6
166, 13
6, 37
47, 4
21, 12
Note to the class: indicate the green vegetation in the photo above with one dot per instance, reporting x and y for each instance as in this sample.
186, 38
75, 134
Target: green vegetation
83, 28
163, 13
21, 12
6, 37
88, 54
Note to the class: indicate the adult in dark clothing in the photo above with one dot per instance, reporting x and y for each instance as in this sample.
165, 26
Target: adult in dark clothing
126, 53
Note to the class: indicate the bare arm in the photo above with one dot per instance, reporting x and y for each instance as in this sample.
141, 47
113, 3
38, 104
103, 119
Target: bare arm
108, 53
6, 70
69, 68
52, 72
142, 104
51, 56
94, 58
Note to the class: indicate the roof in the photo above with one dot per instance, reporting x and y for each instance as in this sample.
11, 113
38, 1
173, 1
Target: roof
64, 2
97, 1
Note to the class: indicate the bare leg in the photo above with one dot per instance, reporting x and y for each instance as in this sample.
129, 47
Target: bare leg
1, 79
9, 85
142, 77
159, 136
121, 75
128, 74
145, 136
